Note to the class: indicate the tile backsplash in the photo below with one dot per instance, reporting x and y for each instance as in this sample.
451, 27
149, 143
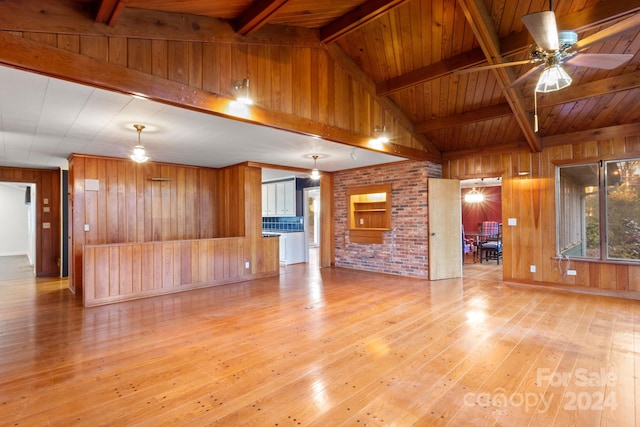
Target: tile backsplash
283, 223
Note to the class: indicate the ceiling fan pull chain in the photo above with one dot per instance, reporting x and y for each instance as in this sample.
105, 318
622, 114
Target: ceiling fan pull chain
535, 111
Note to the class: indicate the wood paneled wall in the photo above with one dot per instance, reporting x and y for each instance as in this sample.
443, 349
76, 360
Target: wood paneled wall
47, 182
530, 199
299, 88
231, 190
120, 272
188, 203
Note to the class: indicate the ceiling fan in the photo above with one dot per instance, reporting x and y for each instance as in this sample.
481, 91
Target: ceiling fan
552, 49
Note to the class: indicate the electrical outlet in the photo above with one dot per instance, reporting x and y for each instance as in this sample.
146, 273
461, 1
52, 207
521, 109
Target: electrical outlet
532, 268
571, 273
246, 264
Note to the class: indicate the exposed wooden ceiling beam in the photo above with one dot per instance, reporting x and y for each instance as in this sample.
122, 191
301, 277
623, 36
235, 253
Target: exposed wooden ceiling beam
484, 151
431, 72
483, 27
577, 93
601, 87
488, 113
35, 16
105, 10
355, 18
27, 54
257, 16
619, 131
606, 86
579, 21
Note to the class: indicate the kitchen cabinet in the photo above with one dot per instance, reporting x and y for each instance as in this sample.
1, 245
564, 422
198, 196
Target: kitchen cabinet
292, 248
279, 198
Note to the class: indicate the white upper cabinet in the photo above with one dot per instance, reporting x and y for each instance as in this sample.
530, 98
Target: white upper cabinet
279, 198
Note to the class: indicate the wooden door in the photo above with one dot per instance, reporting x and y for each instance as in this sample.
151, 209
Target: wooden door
445, 229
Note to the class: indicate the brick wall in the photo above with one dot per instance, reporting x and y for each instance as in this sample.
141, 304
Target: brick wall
404, 249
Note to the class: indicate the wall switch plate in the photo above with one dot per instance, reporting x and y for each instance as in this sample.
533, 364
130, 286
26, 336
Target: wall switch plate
246, 264
46, 225
571, 273
532, 268
86, 227
512, 222
361, 221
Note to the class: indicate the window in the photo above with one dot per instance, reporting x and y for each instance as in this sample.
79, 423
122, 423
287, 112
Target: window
598, 213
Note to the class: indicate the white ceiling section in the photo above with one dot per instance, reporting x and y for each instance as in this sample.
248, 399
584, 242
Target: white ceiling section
43, 120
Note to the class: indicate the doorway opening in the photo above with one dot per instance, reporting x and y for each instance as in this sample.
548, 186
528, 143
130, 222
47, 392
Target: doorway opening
298, 222
312, 223
484, 206
17, 230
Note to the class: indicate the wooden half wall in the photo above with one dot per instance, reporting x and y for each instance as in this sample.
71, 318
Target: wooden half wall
121, 272
530, 199
116, 201
48, 215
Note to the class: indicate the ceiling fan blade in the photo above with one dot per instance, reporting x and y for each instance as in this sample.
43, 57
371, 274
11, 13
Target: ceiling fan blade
526, 76
606, 61
542, 27
615, 30
491, 67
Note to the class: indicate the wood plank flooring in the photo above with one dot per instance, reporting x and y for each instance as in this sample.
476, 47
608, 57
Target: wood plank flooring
327, 347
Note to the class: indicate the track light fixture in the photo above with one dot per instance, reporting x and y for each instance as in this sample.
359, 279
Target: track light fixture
381, 138
242, 92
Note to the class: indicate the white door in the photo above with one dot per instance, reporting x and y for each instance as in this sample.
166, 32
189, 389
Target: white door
445, 229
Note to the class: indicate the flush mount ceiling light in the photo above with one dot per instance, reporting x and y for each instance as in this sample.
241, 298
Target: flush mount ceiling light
242, 92
315, 174
474, 196
139, 155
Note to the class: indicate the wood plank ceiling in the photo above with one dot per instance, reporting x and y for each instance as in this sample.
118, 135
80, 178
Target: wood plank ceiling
414, 49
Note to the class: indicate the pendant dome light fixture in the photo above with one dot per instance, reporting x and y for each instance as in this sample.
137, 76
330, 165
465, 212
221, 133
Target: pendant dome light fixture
139, 155
315, 174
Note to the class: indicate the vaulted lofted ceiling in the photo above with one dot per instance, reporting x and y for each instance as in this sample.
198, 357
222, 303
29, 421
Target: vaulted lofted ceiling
417, 59
413, 52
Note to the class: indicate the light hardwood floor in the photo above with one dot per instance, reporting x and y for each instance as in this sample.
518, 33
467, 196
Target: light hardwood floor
323, 347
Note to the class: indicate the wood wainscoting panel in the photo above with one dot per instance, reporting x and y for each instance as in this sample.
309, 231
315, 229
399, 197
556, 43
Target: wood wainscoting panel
122, 272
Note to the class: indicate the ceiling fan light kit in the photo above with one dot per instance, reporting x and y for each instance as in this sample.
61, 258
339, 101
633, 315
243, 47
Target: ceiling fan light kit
552, 48
553, 78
